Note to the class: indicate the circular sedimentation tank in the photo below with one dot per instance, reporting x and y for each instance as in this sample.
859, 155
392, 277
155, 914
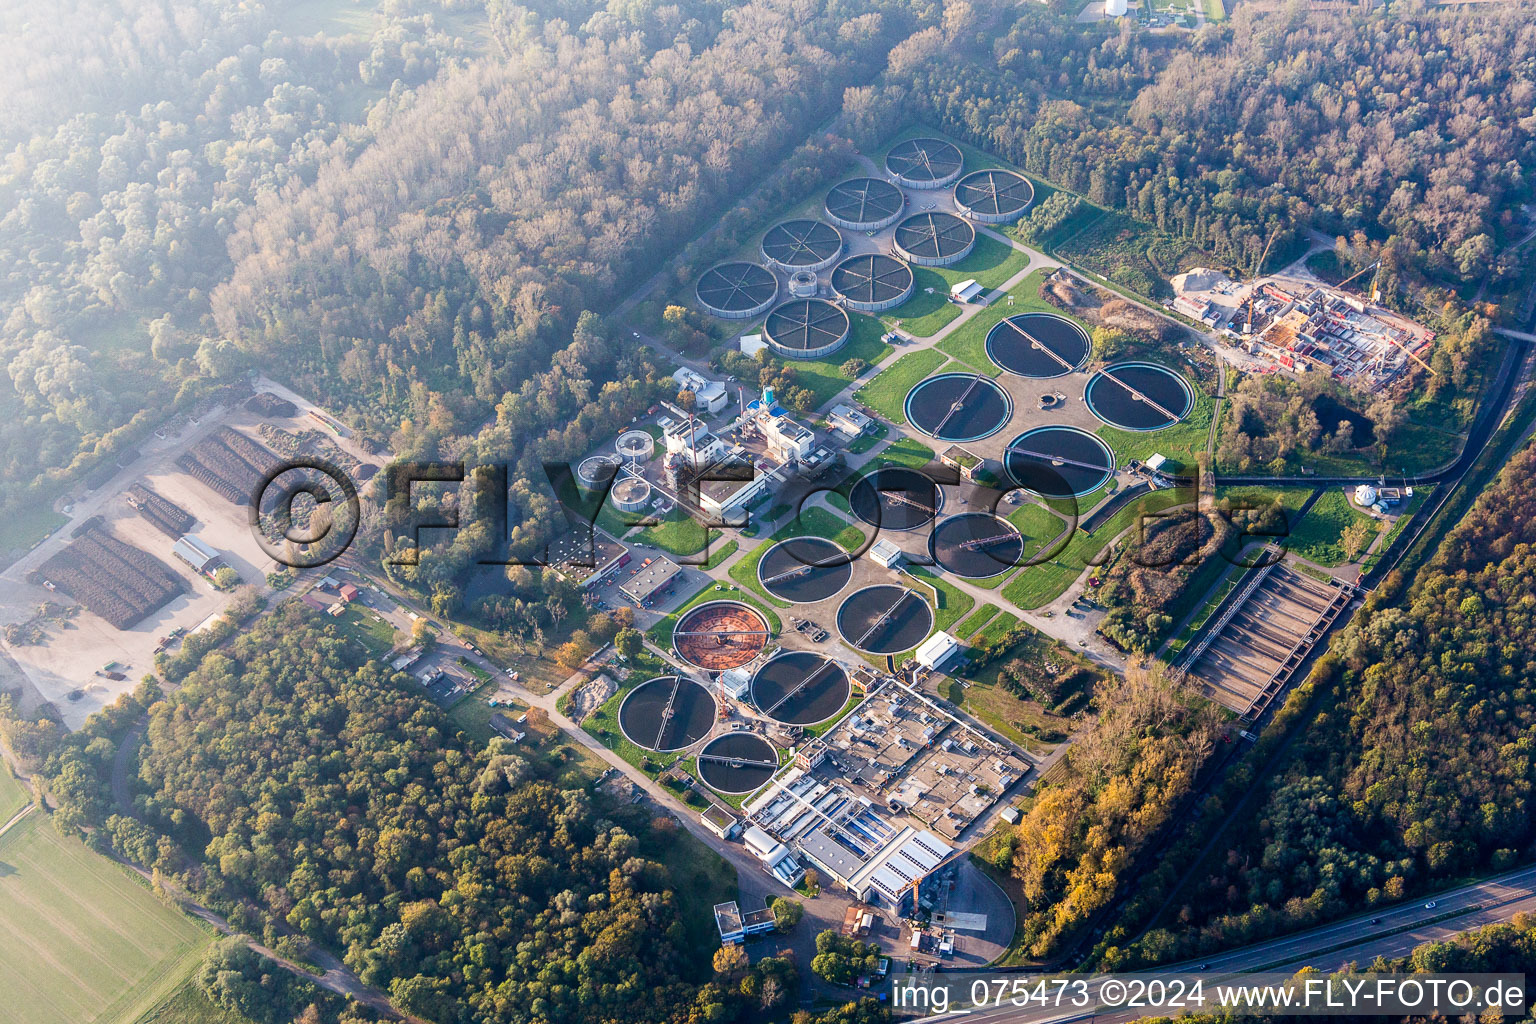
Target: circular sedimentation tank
800, 688
802, 245
720, 635
1038, 345
596, 470
737, 291
993, 196
896, 498
958, 407
1139, 396
976, 545
667, 713
864, 204
884, 619
924, 163
635, 446
806, 328
631, 494
1058, 462
804, 570
934, 239
737, 762
872, 282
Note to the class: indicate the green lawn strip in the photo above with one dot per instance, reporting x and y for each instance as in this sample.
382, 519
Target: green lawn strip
1257, 497
905, 452
813, 521
990, 264
1080, 507
1181, 443
1037, 585
617, 523
886, 392
718, 553
371, 631
661, 633
677, 533
1317, 536
864, 442
976, 620
996, 629
929, 308
968, 342
1420, 495
821, 727
824, 377
952, 603
1038, 526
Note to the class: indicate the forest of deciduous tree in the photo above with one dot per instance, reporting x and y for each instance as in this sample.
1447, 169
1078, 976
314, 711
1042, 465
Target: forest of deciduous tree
1119, 783
311, 795
1418, 767
403, 221
1415, 124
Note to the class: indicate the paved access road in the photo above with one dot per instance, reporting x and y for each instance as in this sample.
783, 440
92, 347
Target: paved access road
1391, 932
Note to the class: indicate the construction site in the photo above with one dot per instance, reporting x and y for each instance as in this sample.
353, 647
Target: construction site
1296, 323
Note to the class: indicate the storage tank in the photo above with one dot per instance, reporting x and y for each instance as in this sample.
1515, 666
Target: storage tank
635, 446
597, 470
1115, 8
802, 284
631, 494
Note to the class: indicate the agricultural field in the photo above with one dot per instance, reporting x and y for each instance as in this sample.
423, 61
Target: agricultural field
14, 795
85, 942
188, 1005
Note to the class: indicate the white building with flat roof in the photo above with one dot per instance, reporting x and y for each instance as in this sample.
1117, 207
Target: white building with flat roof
849, 420
709, 395
885, 553
937, 651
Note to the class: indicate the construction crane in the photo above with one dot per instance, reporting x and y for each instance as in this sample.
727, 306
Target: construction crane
1351, 277
1372, 296
1258, 271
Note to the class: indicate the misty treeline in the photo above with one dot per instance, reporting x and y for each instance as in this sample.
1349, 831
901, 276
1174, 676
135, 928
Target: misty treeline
1414, 126
404, 220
